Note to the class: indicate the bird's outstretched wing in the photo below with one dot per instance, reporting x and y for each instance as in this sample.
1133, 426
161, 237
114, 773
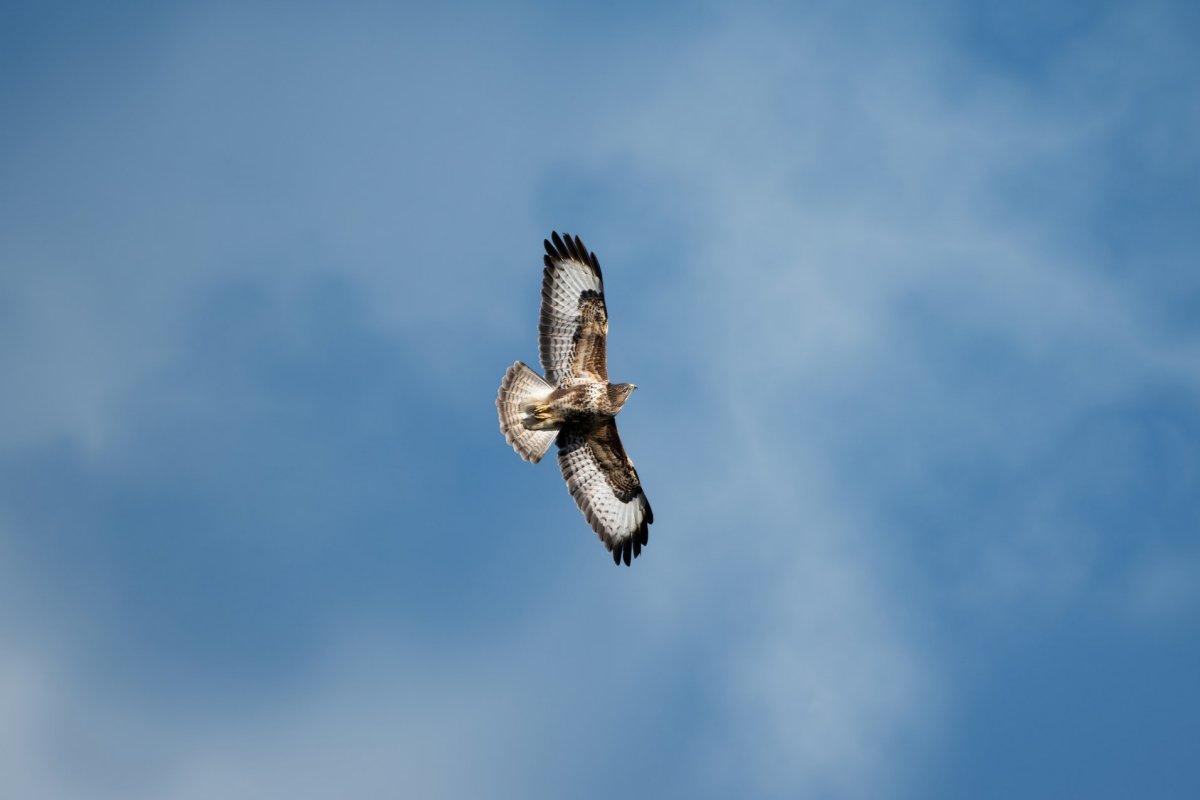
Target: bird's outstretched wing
607, 490
573, 328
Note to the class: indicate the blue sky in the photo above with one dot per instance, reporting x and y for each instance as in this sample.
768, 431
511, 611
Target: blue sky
912, 298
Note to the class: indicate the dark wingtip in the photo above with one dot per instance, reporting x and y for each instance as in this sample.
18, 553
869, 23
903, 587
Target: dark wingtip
558, 245
616, 554
570, 246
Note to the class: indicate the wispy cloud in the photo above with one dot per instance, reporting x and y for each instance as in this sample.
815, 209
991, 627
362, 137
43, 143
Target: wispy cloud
909, 302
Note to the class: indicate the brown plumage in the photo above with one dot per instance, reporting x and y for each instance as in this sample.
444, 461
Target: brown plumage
575, 405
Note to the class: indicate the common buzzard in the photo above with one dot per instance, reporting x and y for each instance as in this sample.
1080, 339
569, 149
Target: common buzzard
575, 405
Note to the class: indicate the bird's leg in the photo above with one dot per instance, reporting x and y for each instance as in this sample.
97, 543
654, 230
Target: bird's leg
539, 416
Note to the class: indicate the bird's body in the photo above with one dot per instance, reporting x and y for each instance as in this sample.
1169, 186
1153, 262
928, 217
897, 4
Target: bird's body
580, 404
575, 405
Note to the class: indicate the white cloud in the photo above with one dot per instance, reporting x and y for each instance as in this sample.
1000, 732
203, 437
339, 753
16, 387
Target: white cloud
840, 181
837, 184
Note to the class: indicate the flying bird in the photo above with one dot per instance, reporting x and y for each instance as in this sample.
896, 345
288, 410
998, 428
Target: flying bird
575, 406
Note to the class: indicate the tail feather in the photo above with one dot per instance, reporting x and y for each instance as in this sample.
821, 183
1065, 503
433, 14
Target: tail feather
521, 386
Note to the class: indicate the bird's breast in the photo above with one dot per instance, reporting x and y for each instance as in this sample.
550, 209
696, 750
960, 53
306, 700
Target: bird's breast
583, 405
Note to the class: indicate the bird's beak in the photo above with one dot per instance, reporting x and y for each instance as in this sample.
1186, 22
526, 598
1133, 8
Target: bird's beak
632, 387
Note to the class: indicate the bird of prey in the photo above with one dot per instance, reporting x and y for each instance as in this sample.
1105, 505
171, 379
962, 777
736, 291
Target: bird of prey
574, 405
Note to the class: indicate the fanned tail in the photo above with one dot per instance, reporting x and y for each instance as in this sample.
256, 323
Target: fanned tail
520, 387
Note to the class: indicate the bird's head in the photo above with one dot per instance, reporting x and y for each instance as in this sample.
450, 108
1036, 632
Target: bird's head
620, 392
